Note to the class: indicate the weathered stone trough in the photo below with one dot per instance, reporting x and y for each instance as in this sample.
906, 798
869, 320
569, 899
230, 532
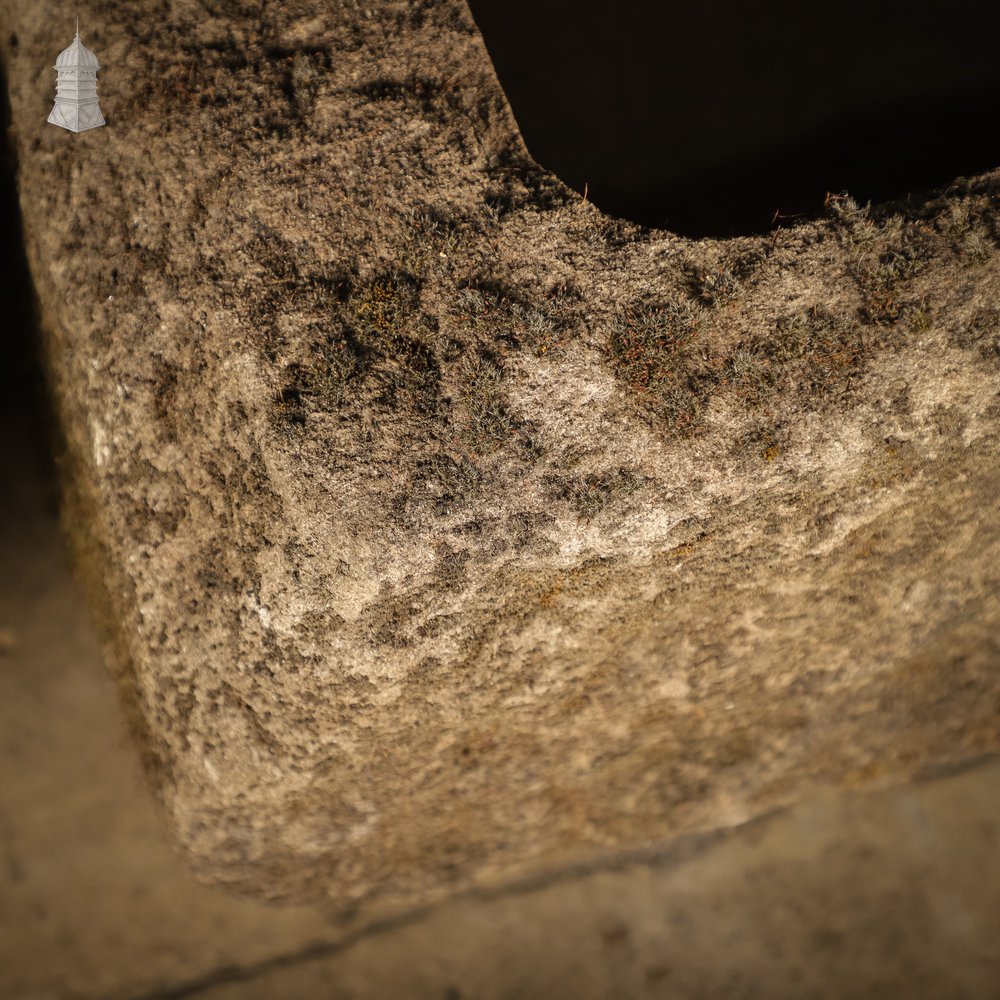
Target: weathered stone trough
445, 531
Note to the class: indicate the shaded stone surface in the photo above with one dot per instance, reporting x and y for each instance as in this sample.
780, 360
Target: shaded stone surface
447, 532
94, 900
842, 896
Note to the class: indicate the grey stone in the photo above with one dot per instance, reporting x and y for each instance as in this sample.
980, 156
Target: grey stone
446, 532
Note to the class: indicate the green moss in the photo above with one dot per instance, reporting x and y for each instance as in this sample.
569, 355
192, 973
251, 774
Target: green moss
488, 421
920, 317
967, 227
428, 241
665, 354
884, 253
372, 336
714, 288
981, 333
762, 439
397, 340
450, 570
380, 307
446, 483
657, 351
650, 345
816, 351
506, 315
750, 374
590, 494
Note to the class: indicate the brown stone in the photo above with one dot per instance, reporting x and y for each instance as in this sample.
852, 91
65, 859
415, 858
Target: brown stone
447, 532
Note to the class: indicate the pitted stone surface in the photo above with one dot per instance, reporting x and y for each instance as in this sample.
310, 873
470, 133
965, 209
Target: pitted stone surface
446, 531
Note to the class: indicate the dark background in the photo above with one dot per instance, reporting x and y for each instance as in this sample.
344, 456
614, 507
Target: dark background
26, 428
709, 116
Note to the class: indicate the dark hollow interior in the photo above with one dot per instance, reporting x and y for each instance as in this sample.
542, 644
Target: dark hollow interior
722, 118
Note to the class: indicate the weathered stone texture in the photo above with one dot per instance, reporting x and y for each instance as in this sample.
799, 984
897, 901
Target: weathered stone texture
448, 531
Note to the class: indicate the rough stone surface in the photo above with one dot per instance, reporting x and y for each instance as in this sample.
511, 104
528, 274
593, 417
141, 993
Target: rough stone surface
448, 532
848, 895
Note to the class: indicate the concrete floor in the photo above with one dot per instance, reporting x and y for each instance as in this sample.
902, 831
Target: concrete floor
892, 893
